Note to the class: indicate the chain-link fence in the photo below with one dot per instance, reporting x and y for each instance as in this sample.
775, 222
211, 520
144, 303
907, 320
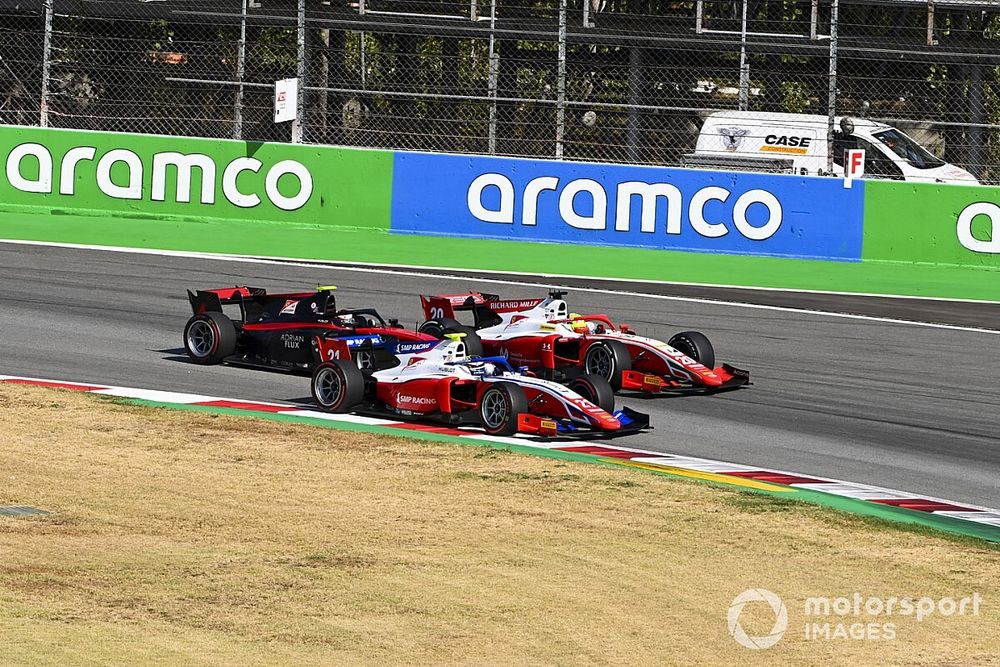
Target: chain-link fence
609, 80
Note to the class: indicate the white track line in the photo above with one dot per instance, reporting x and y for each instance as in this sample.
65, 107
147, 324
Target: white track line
333, 264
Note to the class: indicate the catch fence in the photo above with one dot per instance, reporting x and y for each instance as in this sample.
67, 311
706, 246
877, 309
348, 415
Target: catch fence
608, 80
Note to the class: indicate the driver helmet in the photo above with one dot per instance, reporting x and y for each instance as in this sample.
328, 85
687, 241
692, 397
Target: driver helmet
481, 368
579, 325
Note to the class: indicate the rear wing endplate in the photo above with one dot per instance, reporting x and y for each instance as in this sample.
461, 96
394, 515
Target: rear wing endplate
211, 300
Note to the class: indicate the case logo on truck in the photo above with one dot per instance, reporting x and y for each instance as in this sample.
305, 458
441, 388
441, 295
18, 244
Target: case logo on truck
780, 143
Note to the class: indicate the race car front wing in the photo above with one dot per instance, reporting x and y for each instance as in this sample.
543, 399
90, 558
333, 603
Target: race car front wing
631, 422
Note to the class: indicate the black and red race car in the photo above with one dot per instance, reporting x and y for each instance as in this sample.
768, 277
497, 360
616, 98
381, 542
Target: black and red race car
361, 363
544, 336
283, 331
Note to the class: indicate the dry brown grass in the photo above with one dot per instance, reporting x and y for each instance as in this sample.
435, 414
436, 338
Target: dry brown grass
181, 538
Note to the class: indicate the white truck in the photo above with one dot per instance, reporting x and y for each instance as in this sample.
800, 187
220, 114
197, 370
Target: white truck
797, 143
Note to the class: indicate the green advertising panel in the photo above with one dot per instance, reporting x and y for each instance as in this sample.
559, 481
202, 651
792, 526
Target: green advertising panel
327, 203
66, 171
932, 223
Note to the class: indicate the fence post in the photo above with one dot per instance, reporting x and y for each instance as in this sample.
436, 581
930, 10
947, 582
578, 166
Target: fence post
744, 65
832, 98
43, 102
300, 73
635, 88
492, 85
561, 82
975, 159
241, 53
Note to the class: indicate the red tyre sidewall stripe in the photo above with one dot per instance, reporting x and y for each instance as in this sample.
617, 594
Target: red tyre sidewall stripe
343, 385
216, 335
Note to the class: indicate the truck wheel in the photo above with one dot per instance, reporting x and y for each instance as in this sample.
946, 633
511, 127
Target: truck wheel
695, 345
608, 358
209, 338
445, 325
338, 386
595, 389
500, 407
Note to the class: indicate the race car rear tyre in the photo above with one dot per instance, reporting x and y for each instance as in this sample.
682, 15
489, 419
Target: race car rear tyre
595, 389
500, 407
445, 325
695, 345
338, 386
609, 359
209, 338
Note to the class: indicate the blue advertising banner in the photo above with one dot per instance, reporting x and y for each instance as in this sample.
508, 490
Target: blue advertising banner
625, 205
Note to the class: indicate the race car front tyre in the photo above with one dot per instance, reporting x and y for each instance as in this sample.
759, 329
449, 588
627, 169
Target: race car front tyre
338, 386
500, 407
209, 338
609, 359
695, 345
595, 389
445, 325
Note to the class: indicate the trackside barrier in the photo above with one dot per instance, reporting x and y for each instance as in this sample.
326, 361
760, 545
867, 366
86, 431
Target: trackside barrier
616, 205
69, 171
475, 212
956, 225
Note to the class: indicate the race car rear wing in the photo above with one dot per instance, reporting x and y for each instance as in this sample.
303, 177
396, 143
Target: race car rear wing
447, 305
486, 307
212, 300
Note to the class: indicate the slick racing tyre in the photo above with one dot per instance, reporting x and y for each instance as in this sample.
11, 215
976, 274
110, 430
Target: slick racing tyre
608, 358
209, 338
595, 389
695, 345
338, 386
500, 406
445, 325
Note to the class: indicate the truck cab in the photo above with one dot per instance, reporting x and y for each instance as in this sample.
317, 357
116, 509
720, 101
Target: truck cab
797, 144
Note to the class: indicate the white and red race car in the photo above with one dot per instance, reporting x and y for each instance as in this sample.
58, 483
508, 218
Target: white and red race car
437, 381
544, 336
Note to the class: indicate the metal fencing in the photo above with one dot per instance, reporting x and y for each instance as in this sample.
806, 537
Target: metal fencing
609, 80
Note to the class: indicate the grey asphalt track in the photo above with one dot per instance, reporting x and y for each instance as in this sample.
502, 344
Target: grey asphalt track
897, 405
